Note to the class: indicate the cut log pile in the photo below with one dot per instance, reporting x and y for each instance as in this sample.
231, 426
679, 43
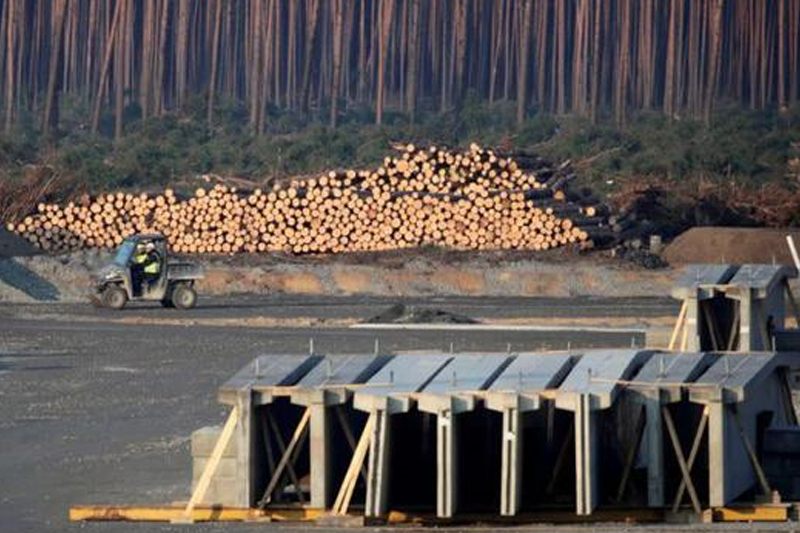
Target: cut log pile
474, 200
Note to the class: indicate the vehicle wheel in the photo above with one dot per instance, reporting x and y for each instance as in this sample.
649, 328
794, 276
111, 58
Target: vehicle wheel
114, 297
184, 297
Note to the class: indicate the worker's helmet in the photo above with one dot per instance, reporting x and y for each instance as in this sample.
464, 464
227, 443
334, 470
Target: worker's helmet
141, 248
149, 247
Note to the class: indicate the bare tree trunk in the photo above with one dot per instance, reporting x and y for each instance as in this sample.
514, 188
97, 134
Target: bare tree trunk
90, 47
717, 7
522, 67
52, 79
338, 24
460, 50
146, 67
311, 34
267, 67
621, 87
212, 82
112, 35
597, 55
497, 34
158, 95
119, 71
543, 40
386, 12
182, 52
669, 76
561, 57
413, 60
255, 64
11, 52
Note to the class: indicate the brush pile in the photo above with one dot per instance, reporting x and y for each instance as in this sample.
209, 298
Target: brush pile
474, 200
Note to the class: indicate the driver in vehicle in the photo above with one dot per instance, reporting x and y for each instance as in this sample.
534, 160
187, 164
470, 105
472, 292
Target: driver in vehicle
146, 266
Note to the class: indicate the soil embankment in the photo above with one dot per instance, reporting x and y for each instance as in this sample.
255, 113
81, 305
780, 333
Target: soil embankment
731, 245
413, 273
68, 277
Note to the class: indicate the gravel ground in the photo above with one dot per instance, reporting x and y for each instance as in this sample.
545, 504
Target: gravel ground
360, 308
97, 412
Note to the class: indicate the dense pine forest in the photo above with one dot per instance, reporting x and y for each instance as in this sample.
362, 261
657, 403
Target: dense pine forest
79, 77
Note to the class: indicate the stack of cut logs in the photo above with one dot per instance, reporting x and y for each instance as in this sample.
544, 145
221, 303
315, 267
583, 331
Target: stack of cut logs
475, 200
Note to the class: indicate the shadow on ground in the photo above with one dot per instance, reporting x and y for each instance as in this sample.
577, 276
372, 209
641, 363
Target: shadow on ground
20, 277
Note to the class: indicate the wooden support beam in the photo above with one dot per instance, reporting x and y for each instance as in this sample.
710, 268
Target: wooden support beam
286, 459
751, 513
786, 393
711, 327
751, 453
735, 325
685, 336
289, 466
342, 502
270, 423
685, 468
679, 323
348, 435
792, 303
267, 443
211, 467
698, 439
200, 513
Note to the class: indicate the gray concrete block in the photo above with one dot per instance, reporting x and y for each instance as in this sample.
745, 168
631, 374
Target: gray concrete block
221, 492
225, 469
225, 482
204, 440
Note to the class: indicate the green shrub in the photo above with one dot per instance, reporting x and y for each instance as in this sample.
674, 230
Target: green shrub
753, 145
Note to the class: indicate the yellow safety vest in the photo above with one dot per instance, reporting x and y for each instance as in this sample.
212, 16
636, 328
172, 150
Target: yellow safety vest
153, 267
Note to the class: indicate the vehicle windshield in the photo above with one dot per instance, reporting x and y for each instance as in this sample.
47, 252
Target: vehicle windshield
124, 253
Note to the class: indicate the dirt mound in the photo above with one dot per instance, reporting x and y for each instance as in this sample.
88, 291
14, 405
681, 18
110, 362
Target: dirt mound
401, 314
731, 245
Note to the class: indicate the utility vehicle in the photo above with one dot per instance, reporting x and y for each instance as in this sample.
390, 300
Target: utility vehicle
124, 279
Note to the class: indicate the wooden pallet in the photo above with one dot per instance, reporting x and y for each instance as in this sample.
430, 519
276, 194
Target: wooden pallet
170, 513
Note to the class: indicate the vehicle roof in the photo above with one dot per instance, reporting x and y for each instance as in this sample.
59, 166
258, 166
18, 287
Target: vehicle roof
145, 237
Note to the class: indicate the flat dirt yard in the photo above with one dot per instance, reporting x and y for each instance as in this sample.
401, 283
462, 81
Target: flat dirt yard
96, 411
